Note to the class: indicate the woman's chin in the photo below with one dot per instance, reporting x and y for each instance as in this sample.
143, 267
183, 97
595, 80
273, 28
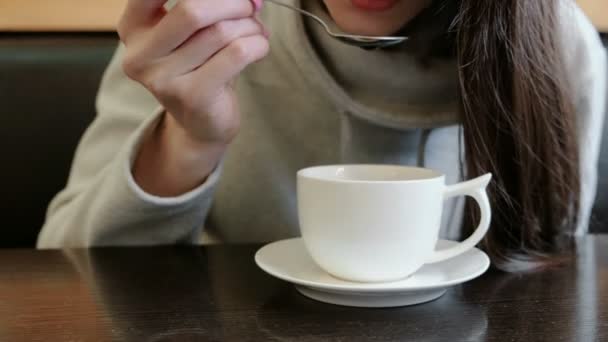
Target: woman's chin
354, 20
366, 28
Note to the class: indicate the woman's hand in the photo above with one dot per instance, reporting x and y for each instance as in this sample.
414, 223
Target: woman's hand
187, 58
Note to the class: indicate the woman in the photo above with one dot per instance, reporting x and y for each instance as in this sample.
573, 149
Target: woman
509, 87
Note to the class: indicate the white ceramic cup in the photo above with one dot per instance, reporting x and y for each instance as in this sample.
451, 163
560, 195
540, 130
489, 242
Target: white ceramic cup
380, 223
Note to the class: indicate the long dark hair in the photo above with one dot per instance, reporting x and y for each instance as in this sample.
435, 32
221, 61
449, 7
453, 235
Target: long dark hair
518, 122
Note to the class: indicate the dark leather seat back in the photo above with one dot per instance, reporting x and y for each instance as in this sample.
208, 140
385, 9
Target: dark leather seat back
599, 222
47, 91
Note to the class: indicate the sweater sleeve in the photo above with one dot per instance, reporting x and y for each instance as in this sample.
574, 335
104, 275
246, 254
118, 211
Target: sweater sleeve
101, 204
586, 64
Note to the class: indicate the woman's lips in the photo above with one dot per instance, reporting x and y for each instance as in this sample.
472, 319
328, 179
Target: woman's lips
374, 5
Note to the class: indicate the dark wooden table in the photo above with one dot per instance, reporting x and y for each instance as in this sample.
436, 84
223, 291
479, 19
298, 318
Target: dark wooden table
218, 294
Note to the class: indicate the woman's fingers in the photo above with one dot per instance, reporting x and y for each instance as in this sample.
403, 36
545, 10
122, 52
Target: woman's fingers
190, 16
202, 46
229, 62
140, 15
188, 56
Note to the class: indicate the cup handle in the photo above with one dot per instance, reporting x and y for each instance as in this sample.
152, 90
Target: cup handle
475, 188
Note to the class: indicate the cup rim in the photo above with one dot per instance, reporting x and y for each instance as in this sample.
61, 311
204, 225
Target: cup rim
312, 174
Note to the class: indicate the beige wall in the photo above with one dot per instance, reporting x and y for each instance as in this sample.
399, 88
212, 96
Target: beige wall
101, 15
59, 15
598, 11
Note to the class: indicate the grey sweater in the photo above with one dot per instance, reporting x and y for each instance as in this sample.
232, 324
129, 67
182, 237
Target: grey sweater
312, 101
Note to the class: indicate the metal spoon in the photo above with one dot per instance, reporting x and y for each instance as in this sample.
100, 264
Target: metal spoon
367, 42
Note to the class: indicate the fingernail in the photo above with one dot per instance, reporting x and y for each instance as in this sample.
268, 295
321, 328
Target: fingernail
257, 4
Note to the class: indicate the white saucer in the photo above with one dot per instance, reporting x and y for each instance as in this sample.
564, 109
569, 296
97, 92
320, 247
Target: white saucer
288, 260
